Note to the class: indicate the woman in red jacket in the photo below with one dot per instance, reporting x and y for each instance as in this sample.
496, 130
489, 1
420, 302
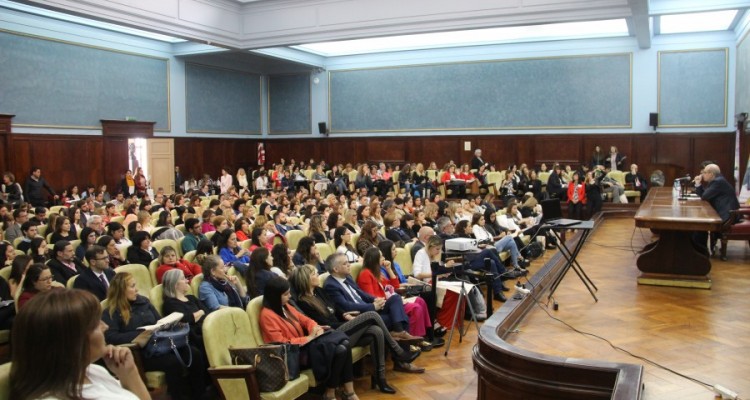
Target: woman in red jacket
452, 180
576, 197
282, 323
169, 260
372, 281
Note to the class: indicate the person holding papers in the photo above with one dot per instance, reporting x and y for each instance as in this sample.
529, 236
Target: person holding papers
126, 311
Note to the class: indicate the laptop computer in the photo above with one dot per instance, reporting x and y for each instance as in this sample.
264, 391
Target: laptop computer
552, 214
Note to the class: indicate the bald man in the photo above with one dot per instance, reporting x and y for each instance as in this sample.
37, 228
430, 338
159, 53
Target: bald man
423, 236
719, 193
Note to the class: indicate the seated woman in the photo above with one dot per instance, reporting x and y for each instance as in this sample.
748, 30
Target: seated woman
350, 221
125, 311
177, 298
259, 272
17, 273
206, 225
307, 253
261, 237
242, 229
39, 251
231, 252
115, 257
280, 322
141, 252
422, 270
169, 260
38, 280
452, 181
117, 232
219, 290
362, 329
165, 228
8, 312
63, 230
71, 372
316, 229
342, 237
372, 281
370, 237
282, 260
88, 238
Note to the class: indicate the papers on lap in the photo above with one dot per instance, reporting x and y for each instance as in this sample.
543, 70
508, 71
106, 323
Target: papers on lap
164, 323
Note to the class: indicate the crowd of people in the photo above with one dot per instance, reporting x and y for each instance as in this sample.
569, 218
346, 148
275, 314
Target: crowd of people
245, 227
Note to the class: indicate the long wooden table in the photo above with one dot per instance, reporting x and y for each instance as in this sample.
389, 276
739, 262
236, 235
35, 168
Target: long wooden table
673, 260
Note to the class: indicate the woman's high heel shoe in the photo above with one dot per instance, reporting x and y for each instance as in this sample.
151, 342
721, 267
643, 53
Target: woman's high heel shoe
379, 381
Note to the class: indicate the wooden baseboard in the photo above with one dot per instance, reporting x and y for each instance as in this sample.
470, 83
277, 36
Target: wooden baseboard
684, 281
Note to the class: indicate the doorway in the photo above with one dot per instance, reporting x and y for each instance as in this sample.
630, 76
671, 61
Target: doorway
156, 158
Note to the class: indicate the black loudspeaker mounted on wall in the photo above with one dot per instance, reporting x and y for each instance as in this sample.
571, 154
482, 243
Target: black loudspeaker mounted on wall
322, 128
653, 120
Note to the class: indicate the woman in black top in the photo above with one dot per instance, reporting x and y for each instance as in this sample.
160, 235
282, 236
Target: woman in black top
178, 299
125, 311
141, 251
361, 328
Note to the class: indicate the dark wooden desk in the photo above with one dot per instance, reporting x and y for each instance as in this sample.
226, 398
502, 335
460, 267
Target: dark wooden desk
672, 260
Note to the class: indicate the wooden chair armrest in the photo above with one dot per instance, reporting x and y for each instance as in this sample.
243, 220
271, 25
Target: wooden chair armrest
137, 358
246, 372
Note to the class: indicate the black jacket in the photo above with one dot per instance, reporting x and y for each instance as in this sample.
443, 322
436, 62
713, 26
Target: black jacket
89, 282
61, 273
139, 256
34, 191
721, 195
142, 313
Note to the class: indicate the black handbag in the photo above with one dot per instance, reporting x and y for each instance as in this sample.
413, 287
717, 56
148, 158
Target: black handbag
275, 364
170, 340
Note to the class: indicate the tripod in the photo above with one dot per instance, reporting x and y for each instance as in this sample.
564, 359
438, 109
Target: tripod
462, 296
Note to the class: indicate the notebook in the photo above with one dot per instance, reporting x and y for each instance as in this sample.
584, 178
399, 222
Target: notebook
552, 214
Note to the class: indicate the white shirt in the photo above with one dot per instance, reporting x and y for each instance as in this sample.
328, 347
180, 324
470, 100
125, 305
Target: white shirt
481, 233
350, 255
507, 223
102, 386
421, 263
225, 182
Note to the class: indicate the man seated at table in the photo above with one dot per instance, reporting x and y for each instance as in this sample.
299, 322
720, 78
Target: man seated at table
719, 193
637, 180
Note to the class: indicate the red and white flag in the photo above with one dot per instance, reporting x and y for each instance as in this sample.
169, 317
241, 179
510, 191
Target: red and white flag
261, 154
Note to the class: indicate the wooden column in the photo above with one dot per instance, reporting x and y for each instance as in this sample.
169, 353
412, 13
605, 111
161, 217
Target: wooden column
5, 130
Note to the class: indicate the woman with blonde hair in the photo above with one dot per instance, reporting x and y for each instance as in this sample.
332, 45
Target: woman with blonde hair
316, 230
242, 180
47, 364
125, 312
144, 218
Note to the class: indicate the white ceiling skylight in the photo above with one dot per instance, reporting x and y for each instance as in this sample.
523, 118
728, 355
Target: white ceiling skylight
560, 31
697, 22
88, 22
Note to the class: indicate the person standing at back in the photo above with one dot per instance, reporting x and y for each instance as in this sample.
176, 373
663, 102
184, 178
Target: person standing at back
34, 186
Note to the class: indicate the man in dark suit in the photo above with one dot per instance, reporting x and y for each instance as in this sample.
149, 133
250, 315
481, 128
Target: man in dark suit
64, 264
282, 224
97, 277
719, 193
343, 291
14, 230
637, 180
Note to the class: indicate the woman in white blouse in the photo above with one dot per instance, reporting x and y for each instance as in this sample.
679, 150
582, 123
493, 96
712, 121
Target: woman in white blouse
225, 181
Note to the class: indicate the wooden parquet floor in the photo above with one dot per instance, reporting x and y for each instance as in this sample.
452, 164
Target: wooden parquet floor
701, 333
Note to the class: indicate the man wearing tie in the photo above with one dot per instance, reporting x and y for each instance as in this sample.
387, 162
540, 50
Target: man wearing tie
637, 180
96, 278
343, 291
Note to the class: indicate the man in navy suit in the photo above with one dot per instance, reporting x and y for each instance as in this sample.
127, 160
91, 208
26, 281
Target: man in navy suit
719, 193
343, 291
97, 277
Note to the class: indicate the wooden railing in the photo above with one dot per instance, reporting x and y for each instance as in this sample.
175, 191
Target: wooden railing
508, 372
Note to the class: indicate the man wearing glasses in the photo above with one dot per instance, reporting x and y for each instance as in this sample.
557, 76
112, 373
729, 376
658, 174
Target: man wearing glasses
96, 278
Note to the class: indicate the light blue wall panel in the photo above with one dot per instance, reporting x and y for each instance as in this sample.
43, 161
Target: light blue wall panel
693, 88
289, 103
221, 100
560, 92
58, 84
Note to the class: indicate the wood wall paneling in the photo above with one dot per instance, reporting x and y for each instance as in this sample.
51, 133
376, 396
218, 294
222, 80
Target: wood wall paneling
69, 159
